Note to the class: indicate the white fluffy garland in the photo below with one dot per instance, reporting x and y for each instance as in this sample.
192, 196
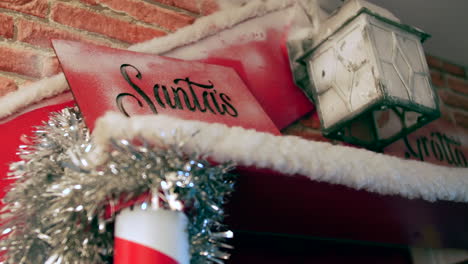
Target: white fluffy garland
32, 93
355, 168
210, 25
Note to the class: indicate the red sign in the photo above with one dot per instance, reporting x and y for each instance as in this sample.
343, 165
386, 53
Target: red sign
256, 49
105, 79
439, 142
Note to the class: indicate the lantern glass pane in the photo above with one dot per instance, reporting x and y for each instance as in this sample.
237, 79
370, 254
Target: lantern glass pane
402, 62
364, 88
324, 70
383, 43
388, 123
332, 107
411, 118
362, 130
410, 47
403, 68
422, 91
393, 83
344, 74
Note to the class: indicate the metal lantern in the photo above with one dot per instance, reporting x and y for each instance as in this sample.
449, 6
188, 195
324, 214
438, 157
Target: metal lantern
368, 77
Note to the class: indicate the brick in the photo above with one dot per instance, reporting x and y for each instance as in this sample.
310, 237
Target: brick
434, 62
17, 2
32, 7
437, 78
40, 34
6, 26
454, 69
90, 2
454, 100
311, 121
458, 85
149, 13
6, 86
27, 82
51, 66
190, 5
209, 7
445, 66
446, 113
20, 61
305, 133
108, 26
461, 119
200, 6
310, 135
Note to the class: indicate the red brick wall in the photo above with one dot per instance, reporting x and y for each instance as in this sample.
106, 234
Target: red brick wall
451, 82
27, 25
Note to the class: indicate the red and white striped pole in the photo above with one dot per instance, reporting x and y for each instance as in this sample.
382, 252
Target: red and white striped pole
151, 237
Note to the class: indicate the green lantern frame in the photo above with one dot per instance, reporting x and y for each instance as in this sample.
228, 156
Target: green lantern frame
360, 127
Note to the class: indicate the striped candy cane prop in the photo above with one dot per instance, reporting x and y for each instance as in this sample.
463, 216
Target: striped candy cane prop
151, 237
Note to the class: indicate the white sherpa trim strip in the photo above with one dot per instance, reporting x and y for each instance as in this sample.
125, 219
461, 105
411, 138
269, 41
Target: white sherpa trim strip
202, 28
355, 168
210, 25
33, 93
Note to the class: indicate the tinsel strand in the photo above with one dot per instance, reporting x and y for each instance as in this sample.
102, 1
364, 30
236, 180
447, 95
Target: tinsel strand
61, 208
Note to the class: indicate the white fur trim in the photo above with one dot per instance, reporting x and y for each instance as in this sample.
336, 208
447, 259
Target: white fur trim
210, 25
202, 28
355, 168
32, 93
55, 100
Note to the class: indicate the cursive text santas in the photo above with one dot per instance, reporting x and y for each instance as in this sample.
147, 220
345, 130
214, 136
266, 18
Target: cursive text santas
185, 95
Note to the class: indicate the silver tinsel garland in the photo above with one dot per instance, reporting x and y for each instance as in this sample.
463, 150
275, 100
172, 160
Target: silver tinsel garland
61, 208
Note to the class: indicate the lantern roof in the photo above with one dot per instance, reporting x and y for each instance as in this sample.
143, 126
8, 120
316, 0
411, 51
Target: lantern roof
347, 13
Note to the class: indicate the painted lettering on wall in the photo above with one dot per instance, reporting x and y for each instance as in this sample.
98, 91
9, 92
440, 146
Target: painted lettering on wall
439, 146
185, 94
